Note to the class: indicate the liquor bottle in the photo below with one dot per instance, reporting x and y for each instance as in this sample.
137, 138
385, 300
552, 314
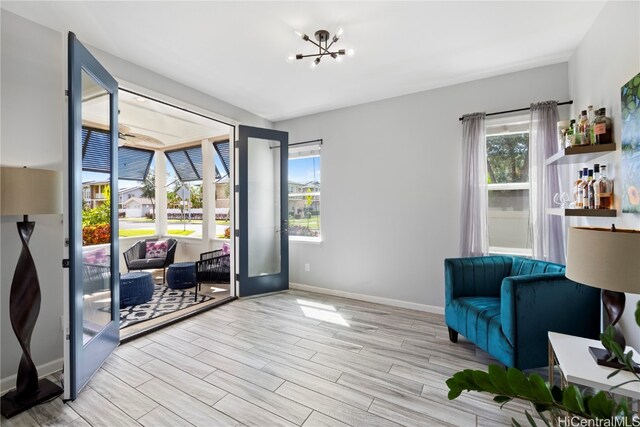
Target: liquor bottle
602, 128
590, 188
591, 136
582, 201
585, 189
583, 125
570, 135
604, 190
577, 191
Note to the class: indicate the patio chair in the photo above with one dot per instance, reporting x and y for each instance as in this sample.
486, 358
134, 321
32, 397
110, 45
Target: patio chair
213, 267
136, 256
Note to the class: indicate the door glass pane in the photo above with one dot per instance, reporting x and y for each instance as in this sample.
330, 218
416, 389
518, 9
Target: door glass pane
263, 206
96, 208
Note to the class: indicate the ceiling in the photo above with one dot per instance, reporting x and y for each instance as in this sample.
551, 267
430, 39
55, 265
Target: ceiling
236, 51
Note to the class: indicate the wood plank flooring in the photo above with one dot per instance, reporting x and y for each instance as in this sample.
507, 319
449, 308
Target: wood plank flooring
288, 359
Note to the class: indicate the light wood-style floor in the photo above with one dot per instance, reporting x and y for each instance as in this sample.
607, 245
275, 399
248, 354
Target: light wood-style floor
287, 359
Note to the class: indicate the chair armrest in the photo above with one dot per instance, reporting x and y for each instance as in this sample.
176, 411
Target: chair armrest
171, 253
532, 305
132, 253
474, 276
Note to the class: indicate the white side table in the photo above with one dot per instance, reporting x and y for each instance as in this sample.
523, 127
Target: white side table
577, 366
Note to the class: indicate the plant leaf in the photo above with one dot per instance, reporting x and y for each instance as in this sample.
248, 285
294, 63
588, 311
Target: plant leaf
540, 389
502, 399
557, 393
515, 423
518, 382
600, 406
572, 399
453, 393
498, 377
483, 382
530, 419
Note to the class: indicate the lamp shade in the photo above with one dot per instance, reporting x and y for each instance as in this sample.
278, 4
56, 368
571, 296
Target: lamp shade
604, 259
26, 191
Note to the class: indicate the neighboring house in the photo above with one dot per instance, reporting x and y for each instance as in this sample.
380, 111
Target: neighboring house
137, 207
93, 193
298, 193
127, 193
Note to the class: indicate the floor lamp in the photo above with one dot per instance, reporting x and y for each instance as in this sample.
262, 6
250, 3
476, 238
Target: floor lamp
27, 192
606, 259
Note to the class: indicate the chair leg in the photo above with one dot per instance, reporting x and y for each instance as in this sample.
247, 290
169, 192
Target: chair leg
453, 335
164, 273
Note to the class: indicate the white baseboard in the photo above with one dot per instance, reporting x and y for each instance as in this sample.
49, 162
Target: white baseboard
368, 298
9, 383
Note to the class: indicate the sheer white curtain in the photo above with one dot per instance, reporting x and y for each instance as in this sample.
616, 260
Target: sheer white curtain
474, 234
547, 238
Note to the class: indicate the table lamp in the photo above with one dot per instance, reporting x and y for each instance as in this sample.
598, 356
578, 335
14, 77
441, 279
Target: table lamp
27, 191
606, 259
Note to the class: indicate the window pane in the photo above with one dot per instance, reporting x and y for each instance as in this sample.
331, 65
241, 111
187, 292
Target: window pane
508, 158
509, 219
304, 196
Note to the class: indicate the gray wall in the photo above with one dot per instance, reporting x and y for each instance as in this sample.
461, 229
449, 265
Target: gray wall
33, 109
391, 185
607, 58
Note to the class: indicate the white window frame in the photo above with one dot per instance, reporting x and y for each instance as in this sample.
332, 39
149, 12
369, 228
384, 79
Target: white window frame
517, 122
307, 147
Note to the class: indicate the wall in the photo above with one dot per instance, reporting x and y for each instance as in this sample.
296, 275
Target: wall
33, 110
31, 107
607, 58
391, 186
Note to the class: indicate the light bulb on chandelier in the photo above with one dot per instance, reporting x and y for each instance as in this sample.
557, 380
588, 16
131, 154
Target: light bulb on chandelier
324, 42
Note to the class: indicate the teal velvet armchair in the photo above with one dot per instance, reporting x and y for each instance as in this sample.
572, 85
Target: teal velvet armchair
506, 306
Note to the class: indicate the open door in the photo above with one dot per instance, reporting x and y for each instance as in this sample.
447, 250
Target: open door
93, 260
263, 232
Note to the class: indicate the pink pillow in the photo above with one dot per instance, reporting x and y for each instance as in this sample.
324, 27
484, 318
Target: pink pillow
226, 249
157, 249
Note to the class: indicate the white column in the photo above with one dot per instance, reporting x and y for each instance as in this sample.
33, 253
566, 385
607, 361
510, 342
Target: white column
208, 195
161, 193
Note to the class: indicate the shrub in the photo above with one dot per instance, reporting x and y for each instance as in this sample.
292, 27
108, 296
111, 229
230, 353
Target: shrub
227, 233
299, 230
96, 234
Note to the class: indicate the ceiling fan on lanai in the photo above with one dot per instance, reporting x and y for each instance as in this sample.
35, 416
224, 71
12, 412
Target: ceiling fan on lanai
125, 136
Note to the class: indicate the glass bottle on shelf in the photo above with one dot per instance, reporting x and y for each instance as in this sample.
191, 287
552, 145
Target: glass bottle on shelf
577, 191
585, 189
581, 189
604, 190
602, 128
591, 137
570, 135
583, 124
590, 188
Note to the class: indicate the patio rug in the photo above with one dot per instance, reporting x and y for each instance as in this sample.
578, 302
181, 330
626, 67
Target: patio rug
165, 301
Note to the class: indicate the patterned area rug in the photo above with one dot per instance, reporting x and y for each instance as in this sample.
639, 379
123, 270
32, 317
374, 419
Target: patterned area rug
165, 301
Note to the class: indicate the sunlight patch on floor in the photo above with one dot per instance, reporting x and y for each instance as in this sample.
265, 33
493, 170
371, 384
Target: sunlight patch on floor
322, 312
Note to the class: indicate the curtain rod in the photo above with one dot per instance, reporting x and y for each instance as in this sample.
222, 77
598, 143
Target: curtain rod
520, 109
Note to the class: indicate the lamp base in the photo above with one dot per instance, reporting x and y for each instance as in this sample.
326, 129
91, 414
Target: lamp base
601, 356
12, 405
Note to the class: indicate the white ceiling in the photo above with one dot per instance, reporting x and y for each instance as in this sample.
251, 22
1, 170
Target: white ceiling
236, 51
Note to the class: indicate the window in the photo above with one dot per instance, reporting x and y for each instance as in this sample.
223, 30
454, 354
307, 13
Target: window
508, 185
304, 192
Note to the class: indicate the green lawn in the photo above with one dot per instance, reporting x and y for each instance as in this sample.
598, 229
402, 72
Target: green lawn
312, 223
136, 233
173, 221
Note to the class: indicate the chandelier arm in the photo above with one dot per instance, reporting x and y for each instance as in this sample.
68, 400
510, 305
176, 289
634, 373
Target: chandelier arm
313, 55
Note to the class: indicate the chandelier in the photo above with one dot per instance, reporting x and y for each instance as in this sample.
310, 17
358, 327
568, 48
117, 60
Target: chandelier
324, 42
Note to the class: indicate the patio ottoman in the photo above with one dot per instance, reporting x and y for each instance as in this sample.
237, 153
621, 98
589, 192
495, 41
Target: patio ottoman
135, 288
182, 275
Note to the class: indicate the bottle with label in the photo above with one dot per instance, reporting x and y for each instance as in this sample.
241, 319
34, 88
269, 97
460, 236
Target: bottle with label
570, 135
582, 202
577, 191
604, 190
595, 172
602, 128
590, 125
583, 125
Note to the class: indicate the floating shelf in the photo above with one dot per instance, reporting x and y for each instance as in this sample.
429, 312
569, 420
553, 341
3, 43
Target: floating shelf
580, 154
583, 212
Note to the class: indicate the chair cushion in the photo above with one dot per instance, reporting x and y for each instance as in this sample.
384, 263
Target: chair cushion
143, 264
157, 249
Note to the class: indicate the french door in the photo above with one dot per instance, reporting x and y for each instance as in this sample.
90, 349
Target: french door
93, 249
263, 195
